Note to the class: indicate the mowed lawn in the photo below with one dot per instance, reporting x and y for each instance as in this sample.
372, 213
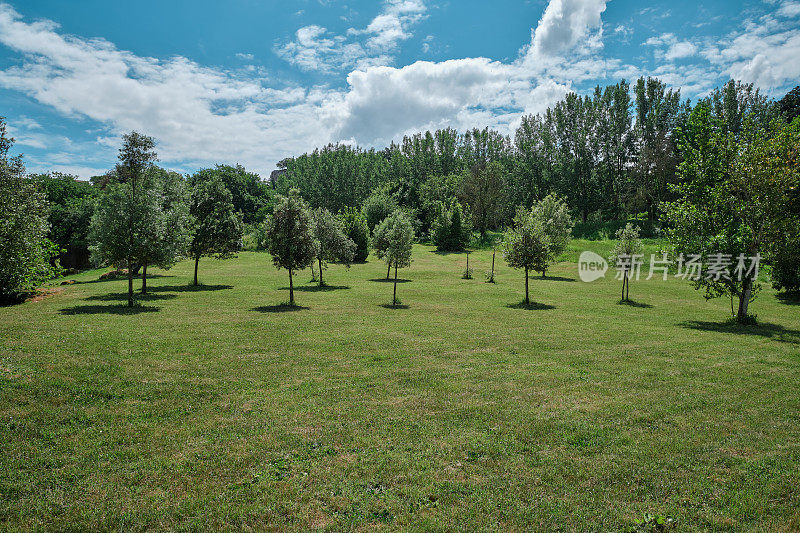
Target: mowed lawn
216, 408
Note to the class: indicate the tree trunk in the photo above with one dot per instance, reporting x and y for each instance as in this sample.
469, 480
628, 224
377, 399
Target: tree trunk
144, 278
627, 288
624, 277
744, 300
388, 270
527, 300
394, 295
291, 288
544, 272
321, 283
130, 285
196, 262
493, 253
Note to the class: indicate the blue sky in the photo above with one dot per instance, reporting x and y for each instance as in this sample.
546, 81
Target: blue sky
252, 82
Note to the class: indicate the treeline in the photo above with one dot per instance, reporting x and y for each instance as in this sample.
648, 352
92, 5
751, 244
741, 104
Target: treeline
612, 155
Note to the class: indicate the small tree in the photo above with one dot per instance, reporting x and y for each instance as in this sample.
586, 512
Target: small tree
25, 251
355, 228
628, 246
332, 243
451, 231
553, 213
218, 226
168, 234
399, 241
377, 207
380, 243
291, 239
526, 245
130, 209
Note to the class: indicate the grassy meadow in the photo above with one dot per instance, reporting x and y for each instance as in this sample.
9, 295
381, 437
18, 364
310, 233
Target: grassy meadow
217, 408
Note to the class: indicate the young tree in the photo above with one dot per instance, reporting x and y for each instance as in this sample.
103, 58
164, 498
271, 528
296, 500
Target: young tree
167, 238
526, 245
553, 213
332, 243
129, 210
25, 251
380, 243
355, 228
218, 226
291, 239
399, 241
625, 253
482, 190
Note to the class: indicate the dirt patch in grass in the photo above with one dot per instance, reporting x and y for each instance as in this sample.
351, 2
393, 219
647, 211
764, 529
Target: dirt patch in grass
41, 294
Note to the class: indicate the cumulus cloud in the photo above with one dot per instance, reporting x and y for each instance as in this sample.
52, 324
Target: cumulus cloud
565, 24
202, 115
314, 48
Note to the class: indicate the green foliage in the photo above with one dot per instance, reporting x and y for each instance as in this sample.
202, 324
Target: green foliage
526, 245
736, 195
377, 207
169, 233
628, 243
336, 176
291, 237
251, 197
789, 105
553, 213
398, 235
332, 243
483, 190
451, 230
433, 193
25, 250
356, 229
217, 224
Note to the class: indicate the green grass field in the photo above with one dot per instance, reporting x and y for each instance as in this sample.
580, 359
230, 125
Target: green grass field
217, 408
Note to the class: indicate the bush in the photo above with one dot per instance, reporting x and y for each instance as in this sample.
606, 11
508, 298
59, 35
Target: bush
356, 229
451, 231
786, 269
377, 207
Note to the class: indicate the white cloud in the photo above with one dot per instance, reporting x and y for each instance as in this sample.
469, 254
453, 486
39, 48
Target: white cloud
789, 9
197, 114
202, 116
314, 48
565, 24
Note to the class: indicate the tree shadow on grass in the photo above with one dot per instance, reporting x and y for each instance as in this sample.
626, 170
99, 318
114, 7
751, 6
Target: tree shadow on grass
767, 330
552, 278
634, 303
532, 306
384, 280
393, 306
189, 288
316, 288
108, 310
123, 296
125, 278
789, 298
281, 308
